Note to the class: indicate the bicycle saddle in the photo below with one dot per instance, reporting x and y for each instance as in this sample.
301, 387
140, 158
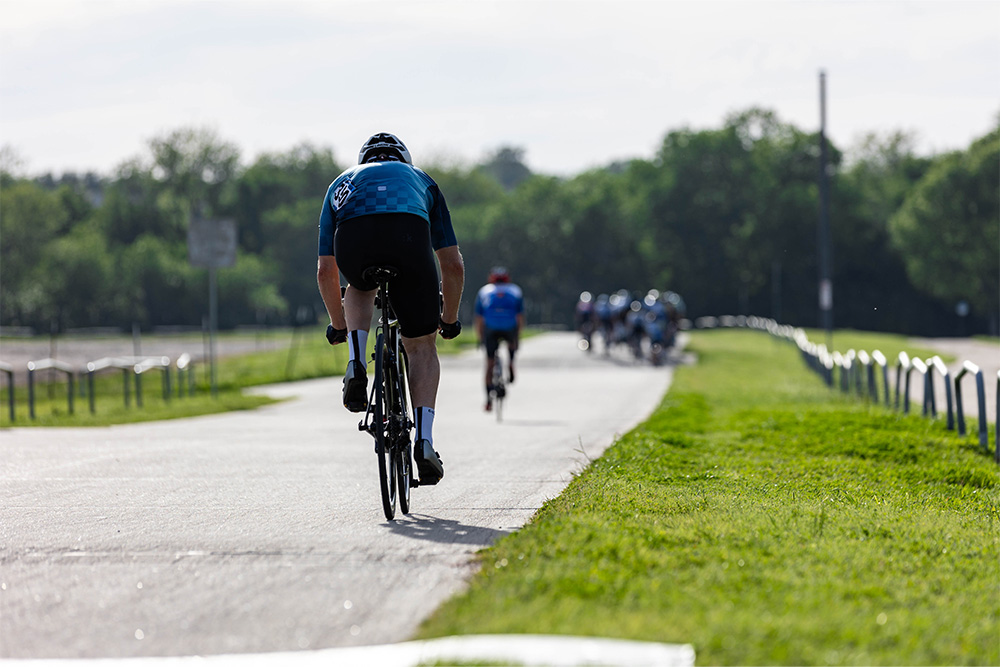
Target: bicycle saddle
380, 274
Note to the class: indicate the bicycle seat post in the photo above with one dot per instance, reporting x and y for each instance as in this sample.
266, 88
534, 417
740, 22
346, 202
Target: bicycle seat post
381, 275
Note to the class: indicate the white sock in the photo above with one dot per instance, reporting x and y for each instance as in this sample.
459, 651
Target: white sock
425, 423
358, 340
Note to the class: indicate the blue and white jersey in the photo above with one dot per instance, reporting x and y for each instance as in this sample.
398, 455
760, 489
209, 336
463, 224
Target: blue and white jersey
499, 305
384, 187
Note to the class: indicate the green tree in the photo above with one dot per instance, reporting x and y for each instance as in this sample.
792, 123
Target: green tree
947, 228
506, 165
159, 285
133, 207
281, 179
79, 279
872, 290
198, 167
31, 220
249, 292
292, 233
725, 205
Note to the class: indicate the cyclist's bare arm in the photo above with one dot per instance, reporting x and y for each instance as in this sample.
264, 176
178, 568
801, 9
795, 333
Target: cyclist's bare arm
328, 279
452, 281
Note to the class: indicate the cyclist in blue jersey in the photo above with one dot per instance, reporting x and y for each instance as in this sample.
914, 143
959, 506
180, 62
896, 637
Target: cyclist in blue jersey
499, 314
386, 212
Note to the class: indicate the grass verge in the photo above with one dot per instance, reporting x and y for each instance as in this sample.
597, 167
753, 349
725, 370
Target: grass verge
765, 520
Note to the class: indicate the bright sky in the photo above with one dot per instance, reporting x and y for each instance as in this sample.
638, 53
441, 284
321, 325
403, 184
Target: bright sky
85, 84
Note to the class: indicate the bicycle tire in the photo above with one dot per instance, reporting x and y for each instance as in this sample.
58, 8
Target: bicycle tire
383, 447
404, 458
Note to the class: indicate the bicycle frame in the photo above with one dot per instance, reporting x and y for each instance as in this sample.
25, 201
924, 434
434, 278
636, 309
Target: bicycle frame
387, 418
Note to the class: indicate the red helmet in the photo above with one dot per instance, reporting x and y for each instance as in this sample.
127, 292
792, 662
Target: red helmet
498, 274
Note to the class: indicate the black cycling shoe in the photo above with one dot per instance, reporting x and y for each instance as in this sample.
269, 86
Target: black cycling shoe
429, 464
356, 387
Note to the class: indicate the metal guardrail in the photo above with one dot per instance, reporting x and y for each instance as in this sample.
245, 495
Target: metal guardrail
132, 370
969, 368
185, 364
148, 364
883, 363
8, 370
94, 367
855, 369
939, 365
46, 364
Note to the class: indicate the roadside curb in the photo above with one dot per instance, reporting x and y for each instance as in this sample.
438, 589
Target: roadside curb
526, 650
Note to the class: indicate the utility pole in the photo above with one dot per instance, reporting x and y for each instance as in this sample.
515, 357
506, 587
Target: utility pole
825, 243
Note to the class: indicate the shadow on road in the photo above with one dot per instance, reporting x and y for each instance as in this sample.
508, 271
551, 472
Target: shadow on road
448, 531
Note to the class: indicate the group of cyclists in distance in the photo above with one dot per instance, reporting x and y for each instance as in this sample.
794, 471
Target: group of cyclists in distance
645, 325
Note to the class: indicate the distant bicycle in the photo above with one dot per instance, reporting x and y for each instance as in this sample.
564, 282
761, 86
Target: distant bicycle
387, 419
498, 388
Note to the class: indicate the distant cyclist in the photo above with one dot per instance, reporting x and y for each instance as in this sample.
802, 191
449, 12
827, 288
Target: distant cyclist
386, 212
499, 313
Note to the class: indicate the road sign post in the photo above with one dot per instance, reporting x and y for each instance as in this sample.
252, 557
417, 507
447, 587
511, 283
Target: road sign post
824, 240
212, 245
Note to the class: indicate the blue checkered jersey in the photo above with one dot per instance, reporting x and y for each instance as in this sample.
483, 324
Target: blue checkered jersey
499, 305
384, 187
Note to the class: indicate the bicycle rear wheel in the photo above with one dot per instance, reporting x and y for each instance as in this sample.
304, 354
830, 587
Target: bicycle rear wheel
404, 460
383, 444
499, 388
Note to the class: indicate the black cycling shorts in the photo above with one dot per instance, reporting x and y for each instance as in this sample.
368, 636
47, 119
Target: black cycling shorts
403, 241
492, 338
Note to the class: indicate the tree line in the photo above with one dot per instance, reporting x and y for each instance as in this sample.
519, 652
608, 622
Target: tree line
726, 217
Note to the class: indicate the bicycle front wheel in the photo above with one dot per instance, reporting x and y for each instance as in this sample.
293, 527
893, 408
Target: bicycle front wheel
383, 444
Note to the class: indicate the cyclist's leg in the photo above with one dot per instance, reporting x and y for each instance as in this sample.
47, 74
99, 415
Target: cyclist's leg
425, 369
425, 375
358, 309
416, 302
512, 344
353, 243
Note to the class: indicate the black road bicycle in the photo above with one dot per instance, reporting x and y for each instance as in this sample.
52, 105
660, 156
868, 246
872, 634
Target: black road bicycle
387, 419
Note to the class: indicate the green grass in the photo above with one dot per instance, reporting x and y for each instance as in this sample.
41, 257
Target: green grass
305, 355
764, 519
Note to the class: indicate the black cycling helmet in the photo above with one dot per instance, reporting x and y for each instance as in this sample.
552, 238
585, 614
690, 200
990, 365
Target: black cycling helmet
498, 274
384, 146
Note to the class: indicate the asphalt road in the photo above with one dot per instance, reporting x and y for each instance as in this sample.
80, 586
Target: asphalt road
262, 531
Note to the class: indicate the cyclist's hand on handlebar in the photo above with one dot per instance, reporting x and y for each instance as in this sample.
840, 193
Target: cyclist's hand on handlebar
335, 336
449, 331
